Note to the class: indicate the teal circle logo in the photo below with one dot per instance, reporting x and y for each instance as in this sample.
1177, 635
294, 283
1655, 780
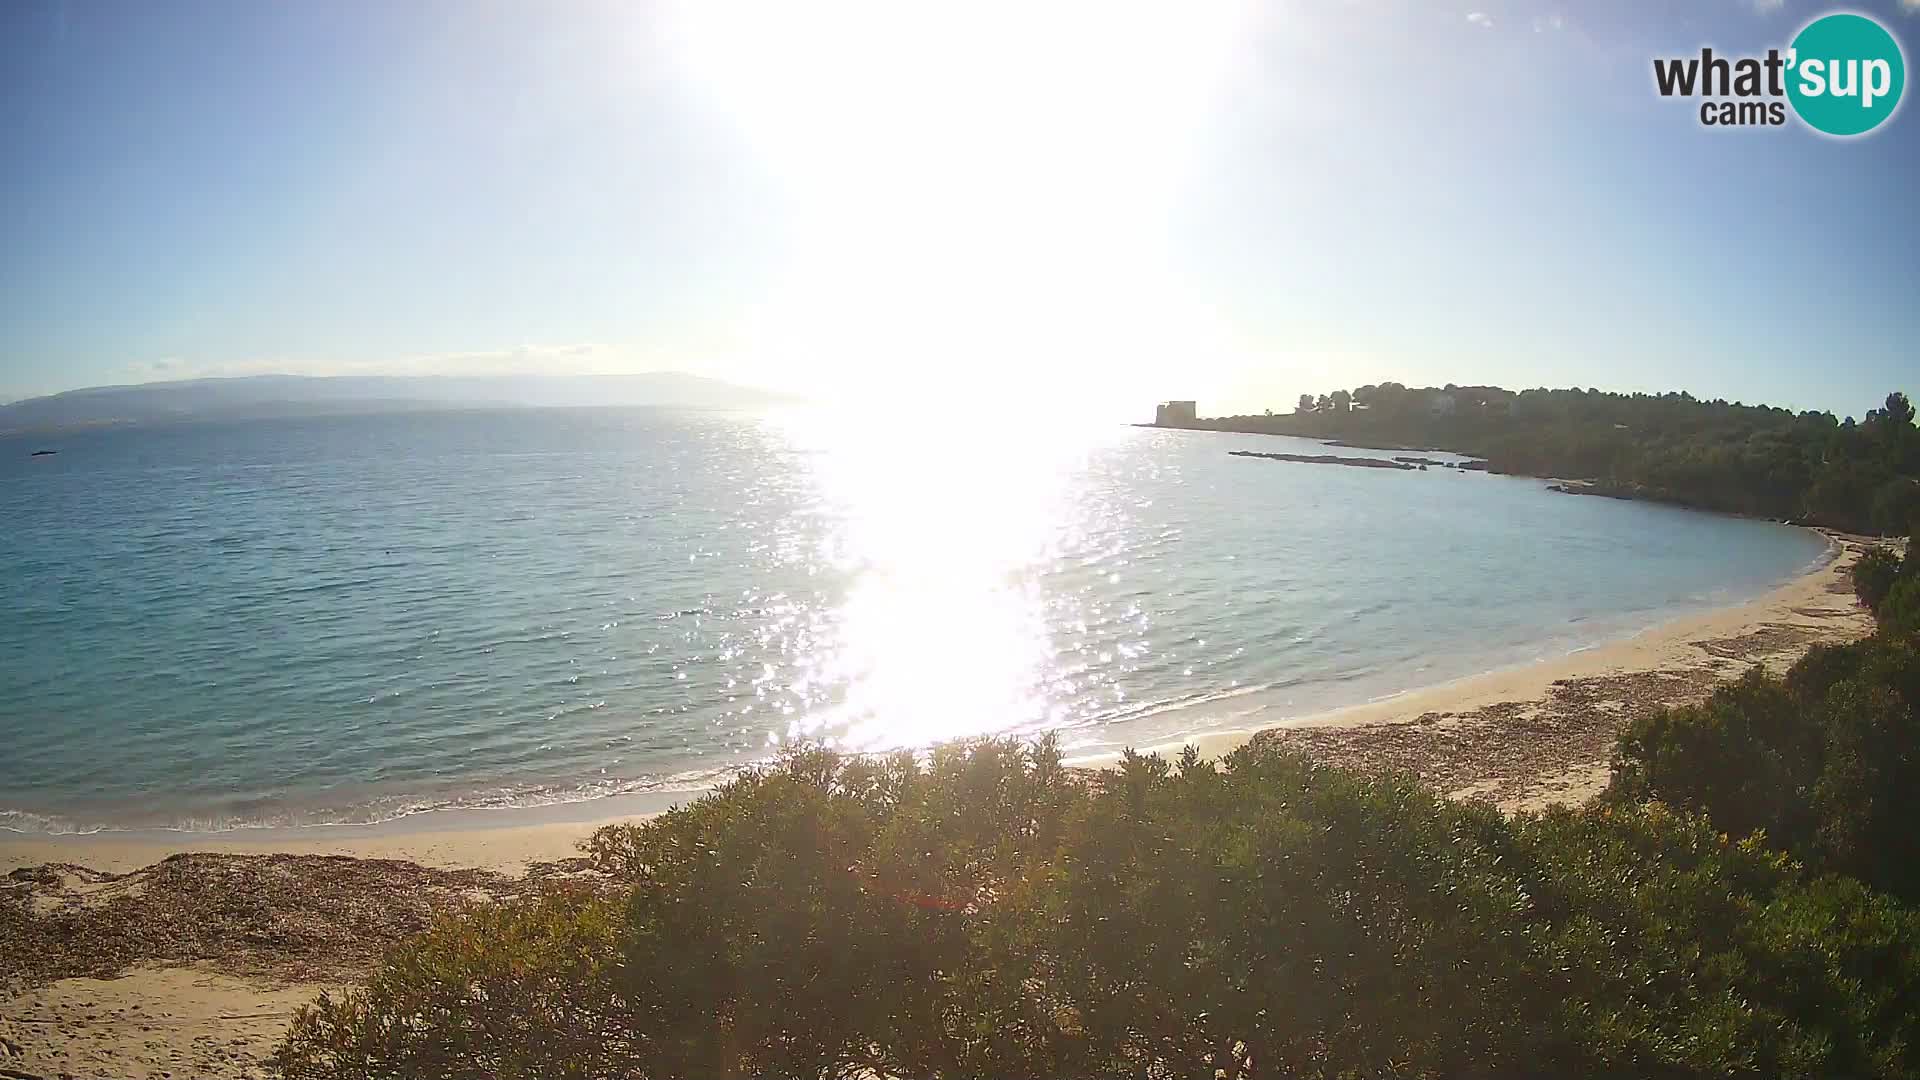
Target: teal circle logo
1845, 74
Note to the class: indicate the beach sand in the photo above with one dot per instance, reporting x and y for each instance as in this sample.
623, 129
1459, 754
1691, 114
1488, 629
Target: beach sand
147, 966
1532, 736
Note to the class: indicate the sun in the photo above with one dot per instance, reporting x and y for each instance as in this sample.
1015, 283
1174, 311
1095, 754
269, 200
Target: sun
972, 196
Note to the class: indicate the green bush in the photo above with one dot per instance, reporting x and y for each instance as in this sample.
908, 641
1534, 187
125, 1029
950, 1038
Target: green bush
1874, 574
1749, 755
1824, 761
1680, 953
989, 913
514, 991
1900, 612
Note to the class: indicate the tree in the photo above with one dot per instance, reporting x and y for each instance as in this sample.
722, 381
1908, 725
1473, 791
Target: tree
1323, 404
1305, 405
1342, 401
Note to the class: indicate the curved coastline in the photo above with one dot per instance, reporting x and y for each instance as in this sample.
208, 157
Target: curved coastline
1504, 735
1686, 655
1268, 711
1522, 737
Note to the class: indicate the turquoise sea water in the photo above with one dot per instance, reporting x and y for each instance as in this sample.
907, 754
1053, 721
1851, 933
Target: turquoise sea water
349, 619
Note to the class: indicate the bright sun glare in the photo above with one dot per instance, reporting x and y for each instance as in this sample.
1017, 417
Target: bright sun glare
976, 202
945, 626
976, 197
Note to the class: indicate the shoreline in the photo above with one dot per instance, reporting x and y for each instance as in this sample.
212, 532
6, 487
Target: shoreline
1534, 735
1788, 619
135, 958
345, 831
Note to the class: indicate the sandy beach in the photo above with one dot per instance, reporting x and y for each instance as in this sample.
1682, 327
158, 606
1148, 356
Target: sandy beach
128, 963
1529, 737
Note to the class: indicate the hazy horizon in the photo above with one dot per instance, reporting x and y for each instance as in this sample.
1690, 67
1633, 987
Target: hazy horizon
372, 375
1139, 411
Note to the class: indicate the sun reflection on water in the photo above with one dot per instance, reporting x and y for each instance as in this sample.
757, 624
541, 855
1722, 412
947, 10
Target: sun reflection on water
943, 533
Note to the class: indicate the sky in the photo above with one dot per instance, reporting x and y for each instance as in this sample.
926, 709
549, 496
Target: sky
1083, 204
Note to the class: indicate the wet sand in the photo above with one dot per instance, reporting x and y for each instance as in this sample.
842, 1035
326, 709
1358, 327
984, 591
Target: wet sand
204, 956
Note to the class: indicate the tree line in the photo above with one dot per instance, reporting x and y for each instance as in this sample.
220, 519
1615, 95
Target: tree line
1860, 476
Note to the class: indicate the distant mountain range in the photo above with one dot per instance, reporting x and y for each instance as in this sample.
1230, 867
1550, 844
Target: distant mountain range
262, 396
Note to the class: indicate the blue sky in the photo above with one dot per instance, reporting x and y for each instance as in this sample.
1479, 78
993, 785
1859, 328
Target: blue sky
1083, 202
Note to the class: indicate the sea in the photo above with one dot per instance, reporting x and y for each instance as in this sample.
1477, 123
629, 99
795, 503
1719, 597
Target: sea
353, 619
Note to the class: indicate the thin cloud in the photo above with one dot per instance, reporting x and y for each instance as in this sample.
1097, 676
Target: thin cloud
1768, 7
1543, 24
1480, 19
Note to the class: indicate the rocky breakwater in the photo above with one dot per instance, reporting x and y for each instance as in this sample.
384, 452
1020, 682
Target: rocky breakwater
1470, 465
1328, 459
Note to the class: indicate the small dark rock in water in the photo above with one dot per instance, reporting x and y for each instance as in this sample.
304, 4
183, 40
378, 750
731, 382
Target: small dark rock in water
43, 453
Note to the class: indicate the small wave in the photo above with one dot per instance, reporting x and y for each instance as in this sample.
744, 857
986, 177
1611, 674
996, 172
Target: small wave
1148, 709
326, 587
381, 811
28, 822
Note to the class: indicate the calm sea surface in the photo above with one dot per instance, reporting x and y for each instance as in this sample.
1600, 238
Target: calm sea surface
350, 619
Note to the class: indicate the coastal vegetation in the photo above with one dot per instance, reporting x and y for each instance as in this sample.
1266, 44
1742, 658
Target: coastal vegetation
1744, 900
1823, 762
1859, 476
987, 911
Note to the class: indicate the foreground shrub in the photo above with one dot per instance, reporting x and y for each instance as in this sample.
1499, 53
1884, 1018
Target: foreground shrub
1749, 755
1685, 953
1900, 612
987, 913
1824, 761
827, 916
1311, 923
513, 991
